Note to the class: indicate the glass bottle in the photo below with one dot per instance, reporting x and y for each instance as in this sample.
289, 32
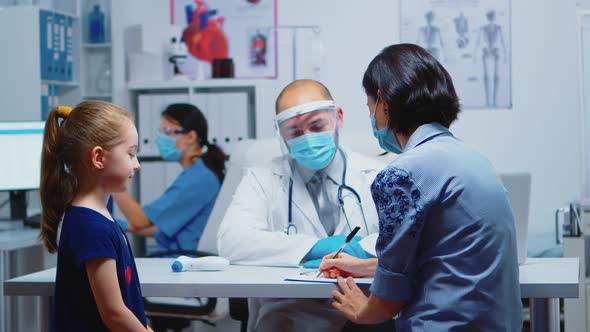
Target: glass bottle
96, 32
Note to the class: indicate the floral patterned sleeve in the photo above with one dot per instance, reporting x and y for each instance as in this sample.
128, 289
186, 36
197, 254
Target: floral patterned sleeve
401, 209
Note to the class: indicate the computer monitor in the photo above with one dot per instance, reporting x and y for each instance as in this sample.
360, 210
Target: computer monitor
21, 143
518, 187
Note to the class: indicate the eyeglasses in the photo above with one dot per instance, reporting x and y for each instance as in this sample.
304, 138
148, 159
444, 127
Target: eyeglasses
170, 131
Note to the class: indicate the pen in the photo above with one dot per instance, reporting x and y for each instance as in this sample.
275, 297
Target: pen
348, 238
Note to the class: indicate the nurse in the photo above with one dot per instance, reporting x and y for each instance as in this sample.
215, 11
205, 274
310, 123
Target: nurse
178, 217
446, 251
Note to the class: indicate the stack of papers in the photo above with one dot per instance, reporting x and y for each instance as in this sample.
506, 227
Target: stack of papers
312, 278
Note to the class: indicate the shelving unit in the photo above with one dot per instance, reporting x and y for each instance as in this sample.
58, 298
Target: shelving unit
29, 88
100, 45
96, 58
188, 84
30, 82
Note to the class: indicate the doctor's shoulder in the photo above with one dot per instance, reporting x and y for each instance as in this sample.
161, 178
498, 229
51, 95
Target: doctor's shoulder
370, 165
261, 176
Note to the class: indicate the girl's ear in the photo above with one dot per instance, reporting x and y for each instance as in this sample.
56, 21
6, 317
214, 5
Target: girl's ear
97, 158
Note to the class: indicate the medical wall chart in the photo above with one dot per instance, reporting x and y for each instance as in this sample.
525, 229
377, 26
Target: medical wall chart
472, 40
239, 29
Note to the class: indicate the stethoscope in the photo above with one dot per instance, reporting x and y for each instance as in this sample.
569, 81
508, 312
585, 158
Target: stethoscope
343, 186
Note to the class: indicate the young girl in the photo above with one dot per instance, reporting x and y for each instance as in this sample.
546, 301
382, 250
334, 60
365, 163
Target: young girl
89, 152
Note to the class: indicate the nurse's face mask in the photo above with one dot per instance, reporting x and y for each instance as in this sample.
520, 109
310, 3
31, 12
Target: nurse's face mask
309, 131
166, 143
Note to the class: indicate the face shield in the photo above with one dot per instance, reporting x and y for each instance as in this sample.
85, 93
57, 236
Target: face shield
309, 133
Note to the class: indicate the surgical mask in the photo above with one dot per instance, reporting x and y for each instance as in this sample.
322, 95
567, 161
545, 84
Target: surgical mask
385, 136
313, 151
167, 148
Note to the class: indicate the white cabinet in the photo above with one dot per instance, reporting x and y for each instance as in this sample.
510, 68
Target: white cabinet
228, 106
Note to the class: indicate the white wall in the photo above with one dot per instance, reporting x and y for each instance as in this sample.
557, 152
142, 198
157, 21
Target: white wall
540, 134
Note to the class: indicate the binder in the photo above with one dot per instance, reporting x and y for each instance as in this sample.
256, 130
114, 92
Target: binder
149, 114
44, 101
144, 126
46, 42
54, 60
55, 96
69, 49
62, 48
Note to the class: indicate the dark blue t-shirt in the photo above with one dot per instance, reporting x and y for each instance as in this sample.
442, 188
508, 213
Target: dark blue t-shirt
87, 234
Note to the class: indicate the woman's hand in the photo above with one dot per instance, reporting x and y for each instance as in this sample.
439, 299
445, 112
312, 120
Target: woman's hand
360, 309
346, 265
349, 299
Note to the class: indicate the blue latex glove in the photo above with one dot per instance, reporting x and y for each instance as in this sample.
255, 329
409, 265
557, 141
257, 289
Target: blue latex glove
354, 248
314, 264
331, 244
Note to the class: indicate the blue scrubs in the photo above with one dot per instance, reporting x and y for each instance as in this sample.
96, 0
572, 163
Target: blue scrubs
181, 213
446, 244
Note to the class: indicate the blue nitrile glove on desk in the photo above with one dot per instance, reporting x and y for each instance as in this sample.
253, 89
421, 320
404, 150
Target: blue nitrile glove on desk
330, 245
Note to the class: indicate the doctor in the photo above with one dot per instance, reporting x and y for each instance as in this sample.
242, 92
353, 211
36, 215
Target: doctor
280, 216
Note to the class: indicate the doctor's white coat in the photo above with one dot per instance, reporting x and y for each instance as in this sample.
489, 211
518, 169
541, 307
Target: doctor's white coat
252, 233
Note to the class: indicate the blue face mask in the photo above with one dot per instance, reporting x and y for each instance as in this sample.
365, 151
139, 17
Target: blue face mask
313, 151
167, 148
385, 136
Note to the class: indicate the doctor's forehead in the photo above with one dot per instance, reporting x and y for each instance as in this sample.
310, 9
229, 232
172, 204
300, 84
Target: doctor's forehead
301, 92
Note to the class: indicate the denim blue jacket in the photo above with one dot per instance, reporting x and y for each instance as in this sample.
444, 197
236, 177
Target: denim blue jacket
447, 244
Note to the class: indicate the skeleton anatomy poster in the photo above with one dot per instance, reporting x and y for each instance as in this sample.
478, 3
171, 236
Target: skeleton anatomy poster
239, 29
471, 39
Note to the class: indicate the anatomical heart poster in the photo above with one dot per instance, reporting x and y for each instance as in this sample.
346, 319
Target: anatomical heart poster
472, 40
243, 30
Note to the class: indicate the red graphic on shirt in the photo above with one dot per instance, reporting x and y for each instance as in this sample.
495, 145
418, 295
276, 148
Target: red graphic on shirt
203, 36
128, 275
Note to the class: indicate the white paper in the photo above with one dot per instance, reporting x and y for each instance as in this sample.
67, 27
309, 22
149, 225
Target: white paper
312, 278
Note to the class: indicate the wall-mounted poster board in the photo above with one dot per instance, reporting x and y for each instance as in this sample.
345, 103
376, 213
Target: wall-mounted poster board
472, 41
243, 30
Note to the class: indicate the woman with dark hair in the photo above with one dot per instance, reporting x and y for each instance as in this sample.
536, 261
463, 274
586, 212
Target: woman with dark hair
177, 219
446, 251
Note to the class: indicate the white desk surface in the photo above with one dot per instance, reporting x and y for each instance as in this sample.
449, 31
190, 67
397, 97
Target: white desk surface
19, 238
539, 278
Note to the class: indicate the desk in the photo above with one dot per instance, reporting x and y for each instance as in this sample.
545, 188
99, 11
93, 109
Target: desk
543, 279
12, 240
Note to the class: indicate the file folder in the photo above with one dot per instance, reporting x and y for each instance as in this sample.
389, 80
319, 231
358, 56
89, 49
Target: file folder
44, 101
69, 48
46, 42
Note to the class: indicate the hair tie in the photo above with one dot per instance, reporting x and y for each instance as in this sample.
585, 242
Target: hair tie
63, 111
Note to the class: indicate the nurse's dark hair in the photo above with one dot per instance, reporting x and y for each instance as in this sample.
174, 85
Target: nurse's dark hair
190, 118
70, 135
415, 86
